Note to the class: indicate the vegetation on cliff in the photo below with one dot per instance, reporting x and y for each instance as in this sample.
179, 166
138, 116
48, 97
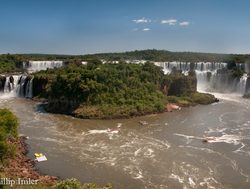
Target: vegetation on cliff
8, 129
101, 91
111, 90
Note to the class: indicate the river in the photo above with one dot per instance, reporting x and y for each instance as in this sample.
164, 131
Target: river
168, 152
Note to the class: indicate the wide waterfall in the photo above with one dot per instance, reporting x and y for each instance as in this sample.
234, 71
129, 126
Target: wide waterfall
34, 66
213, 77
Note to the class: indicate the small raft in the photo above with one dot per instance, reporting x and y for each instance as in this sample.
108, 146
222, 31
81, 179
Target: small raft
40, 157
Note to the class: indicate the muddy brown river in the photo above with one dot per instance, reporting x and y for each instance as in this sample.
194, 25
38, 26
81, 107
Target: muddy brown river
165, 152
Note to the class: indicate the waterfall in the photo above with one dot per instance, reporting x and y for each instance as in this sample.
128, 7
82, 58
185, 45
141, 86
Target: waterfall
34, 66
17, 85
8, 84
29, 88
25, 87
212, 76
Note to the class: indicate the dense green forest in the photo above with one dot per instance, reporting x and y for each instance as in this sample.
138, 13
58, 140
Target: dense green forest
13, 62
7, 64
112, 90
163, 55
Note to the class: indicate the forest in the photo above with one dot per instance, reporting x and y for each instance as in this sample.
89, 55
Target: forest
114, 90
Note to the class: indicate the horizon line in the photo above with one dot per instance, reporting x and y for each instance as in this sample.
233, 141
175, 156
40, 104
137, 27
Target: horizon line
96, 53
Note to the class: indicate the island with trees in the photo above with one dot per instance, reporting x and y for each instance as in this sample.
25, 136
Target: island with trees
105, 91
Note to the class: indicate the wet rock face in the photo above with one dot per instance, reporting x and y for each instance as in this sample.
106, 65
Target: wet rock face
39, 86
247, 89
62, 105
2, 83
209, 75
183, 85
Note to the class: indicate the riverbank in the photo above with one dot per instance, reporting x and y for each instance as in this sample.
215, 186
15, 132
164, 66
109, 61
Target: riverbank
20, 166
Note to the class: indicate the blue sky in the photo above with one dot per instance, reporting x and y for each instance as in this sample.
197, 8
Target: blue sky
91, 26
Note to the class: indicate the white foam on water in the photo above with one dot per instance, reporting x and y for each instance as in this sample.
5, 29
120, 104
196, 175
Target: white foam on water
176, 177
216, 130
95, 131
191, 182
229, 139
137, 152
189, 138
210, 183
138, 175
7, 96
149, 153
104, 131
119, 125
207, 150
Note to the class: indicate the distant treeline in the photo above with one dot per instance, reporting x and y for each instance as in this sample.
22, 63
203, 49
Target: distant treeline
163, 55
13, 62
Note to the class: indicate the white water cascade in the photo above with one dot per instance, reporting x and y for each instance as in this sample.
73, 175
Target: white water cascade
34, 66
22, 85
17, 85
212, 77
10, 83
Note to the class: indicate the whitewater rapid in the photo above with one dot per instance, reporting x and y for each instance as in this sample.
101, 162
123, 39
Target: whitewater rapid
168, 152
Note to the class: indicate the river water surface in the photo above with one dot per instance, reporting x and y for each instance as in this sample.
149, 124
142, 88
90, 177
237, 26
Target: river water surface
167, 152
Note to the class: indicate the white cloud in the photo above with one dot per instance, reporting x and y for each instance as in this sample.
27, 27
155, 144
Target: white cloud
146, 29
142, 20
170, 22
184, 23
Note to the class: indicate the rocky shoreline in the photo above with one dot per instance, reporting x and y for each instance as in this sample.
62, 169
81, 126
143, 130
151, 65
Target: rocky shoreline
20, 166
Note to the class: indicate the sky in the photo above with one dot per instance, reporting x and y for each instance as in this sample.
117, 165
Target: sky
95, 26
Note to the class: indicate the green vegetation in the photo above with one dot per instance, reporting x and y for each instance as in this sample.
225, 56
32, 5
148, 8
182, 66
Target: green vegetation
13, 62
112, 90
75, 184
163, 55
63, 184
7, 67
192, 99
104, 90
8, 129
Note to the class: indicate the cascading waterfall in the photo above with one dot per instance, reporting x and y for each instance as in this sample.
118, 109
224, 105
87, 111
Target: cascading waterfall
25, 87
18, 85
34, 66
212, 77
10, 84
22, 85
